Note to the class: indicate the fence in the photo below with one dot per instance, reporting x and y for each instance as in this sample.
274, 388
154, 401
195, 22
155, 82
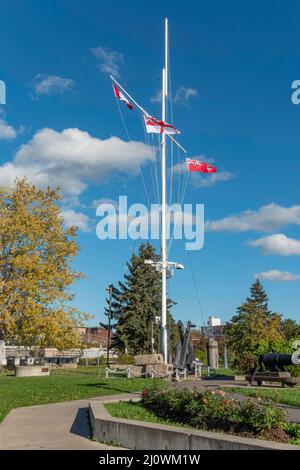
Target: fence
130, 373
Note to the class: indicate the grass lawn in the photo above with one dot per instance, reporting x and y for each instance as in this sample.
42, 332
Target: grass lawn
222, 371
289, 397
63, 385
134, 410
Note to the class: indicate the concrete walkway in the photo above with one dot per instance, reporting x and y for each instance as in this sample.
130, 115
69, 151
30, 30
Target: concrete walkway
62, 426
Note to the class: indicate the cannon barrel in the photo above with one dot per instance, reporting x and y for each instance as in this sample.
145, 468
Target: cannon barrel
279, 360
274, 359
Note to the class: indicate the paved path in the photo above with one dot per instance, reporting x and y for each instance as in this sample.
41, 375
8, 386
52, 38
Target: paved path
55, 426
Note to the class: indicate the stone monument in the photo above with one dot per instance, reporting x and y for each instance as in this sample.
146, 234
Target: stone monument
213, 353
148, 364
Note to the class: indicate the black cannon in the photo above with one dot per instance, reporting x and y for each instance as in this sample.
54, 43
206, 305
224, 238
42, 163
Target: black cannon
276, 361
271, 367
184, 355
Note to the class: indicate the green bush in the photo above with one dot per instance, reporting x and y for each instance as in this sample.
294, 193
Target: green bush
125, 359
213, 410
258, 415
293, 430
201, 356
203, 410
245, 362
294, 370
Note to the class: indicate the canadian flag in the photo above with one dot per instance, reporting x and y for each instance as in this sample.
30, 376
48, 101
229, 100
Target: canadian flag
120, 96
159, 127
196, 165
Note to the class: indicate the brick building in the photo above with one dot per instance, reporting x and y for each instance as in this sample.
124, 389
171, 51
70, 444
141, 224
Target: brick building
94, 335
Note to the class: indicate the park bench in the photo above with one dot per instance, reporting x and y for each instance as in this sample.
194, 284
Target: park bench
282, 377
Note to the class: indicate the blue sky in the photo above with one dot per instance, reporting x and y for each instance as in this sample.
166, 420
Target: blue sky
232, 66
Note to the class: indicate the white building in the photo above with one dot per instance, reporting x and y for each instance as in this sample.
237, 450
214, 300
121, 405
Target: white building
213, 321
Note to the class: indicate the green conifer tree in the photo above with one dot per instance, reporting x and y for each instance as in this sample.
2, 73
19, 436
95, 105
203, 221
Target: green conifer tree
136, 303
254, 330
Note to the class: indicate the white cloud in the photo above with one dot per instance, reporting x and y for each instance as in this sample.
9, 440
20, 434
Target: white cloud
179, 168
157, 97
277, 244
71, 217
183, 95
97, 202
266, 219
206, 181
7, 132
109, 61
52, 85
276, 275
72, 158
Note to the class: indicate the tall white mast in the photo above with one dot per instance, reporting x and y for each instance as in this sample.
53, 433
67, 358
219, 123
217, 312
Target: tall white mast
164, 333
164, 264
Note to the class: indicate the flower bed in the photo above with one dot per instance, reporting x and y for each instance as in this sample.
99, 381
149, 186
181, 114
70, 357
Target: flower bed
214, 411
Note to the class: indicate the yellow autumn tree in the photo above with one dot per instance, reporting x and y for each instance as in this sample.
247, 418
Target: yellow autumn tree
36, 251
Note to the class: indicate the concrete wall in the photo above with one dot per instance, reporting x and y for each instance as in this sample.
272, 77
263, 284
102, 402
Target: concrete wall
31, 371
150, 436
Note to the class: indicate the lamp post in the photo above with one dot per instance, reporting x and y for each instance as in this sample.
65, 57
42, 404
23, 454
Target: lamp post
166, 267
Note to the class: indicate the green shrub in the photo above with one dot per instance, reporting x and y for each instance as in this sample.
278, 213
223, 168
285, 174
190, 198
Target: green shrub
245, 361
125, 358
257, 415
294, 370
201, 356
202, 410
293, 430
213, 410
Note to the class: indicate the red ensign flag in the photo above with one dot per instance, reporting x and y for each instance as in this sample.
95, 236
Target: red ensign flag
196, 165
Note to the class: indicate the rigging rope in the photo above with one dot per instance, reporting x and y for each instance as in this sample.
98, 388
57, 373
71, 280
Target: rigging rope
180, 202
153, 166
195, 287
143, 82
139, 167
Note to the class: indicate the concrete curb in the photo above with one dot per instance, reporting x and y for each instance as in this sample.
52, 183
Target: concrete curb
133, 434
